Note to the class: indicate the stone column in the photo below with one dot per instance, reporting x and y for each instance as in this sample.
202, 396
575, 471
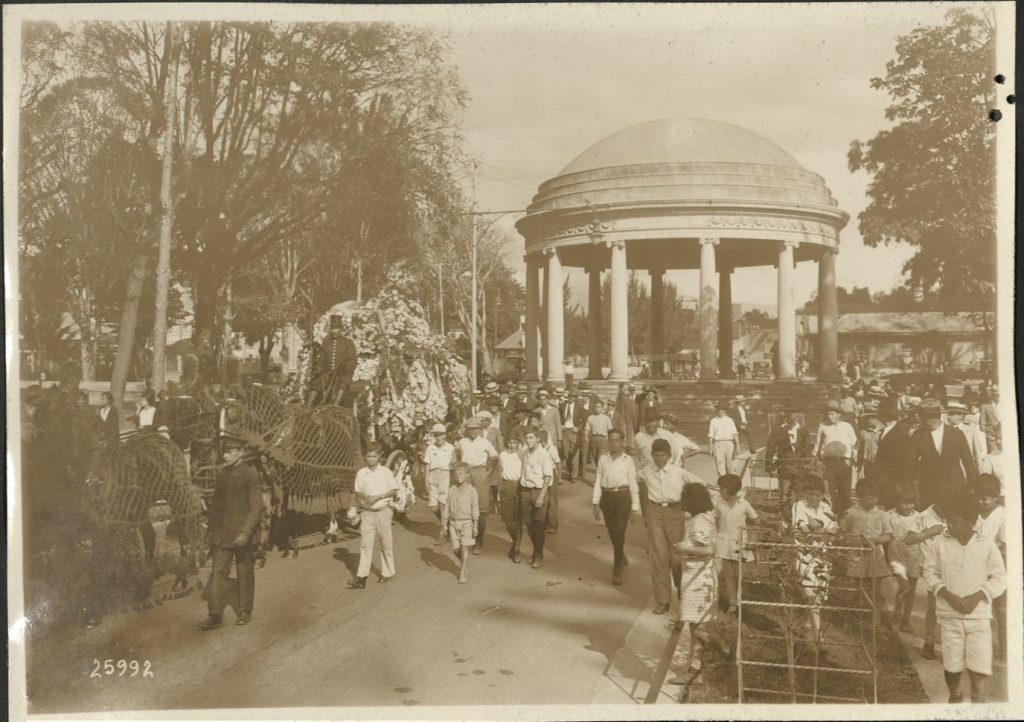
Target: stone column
786, 369
594, 321
555, 346
543, 316
532, 328
725, 323
708, 310
619, 345
657, 345
828, 316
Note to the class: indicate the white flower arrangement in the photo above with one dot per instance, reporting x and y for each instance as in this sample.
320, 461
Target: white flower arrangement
411, 374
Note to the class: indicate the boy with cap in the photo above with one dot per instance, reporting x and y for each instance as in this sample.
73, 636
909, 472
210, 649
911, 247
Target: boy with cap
481, 456
836, 447
463, 518
723, 439
439, 455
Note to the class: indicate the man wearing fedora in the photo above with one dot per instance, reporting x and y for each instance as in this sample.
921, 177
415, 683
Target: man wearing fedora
955, 413
836, 448
788, 454
892, 459
940, 456
574, 418
235, 511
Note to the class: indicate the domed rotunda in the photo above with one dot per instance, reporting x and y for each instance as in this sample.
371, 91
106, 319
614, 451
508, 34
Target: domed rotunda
680, 193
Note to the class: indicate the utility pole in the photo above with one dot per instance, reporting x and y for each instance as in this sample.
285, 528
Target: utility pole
473, 305
163, 263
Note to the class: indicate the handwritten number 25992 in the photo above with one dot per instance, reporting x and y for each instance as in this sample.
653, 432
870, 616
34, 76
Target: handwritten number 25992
121, 668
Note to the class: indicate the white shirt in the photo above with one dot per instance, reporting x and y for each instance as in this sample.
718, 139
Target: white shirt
743, 414
146, 416
536, 466
569, 409
886, 429
643, 443
680, 444
937, 437
665, 485
511, 465
105, 412
476, 452
722, 428
975, 441
439, 457
963, 569
794, 432
836, 440
803, 514
376, 481
615, 473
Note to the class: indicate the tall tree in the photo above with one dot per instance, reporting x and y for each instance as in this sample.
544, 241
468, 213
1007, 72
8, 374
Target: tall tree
933, 170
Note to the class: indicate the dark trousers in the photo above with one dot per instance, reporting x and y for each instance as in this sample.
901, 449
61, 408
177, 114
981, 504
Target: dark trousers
553, 504
220, 585
615, 506
837, 474
598, 446
570, 450
534, 518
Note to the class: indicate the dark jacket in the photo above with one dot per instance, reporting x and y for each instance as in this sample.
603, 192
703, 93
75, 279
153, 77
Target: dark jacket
111, 428
236, 506
892, 461
782, 452
579, 413
937, 472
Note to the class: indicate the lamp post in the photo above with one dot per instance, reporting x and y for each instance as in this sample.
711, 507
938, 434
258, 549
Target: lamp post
473, 306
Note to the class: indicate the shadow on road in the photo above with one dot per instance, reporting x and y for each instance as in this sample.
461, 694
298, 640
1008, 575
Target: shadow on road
350, 559
433, 558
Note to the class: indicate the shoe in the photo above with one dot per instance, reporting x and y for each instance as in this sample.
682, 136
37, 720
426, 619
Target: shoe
956, 697
550, 530
385, 580
260, 563
293, 553
537, 562
357, 583
91, 621
617, 577
678, 679
476, 550
905, 626
285, 554
514, 556
243, 619
660, 608
732, 609
211, 622
928, 651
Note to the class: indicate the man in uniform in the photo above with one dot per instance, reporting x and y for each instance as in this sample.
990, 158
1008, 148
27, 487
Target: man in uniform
234, 515
334, 364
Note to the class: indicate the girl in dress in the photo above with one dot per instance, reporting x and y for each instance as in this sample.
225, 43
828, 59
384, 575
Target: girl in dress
862, 523
699, 585
904, 556
813, 526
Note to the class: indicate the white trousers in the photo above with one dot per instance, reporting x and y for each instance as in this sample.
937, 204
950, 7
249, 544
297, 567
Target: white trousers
374, 526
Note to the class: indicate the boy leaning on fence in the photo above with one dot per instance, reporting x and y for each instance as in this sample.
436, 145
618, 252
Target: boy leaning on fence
965, 572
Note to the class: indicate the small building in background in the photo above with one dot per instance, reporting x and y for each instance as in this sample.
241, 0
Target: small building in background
896, 342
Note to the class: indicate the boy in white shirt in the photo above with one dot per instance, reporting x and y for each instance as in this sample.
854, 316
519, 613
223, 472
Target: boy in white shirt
965, 572
992, 525
439, 455
510, 465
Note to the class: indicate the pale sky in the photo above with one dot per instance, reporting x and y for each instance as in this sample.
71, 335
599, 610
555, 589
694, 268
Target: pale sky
546, 82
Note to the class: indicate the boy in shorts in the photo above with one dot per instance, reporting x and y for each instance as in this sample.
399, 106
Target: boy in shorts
438, 457
463, 516
965, 572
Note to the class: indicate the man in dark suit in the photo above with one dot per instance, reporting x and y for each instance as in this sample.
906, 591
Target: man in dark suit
234, 515
790, 452
574, 420
940, 456
892, 459
334, 362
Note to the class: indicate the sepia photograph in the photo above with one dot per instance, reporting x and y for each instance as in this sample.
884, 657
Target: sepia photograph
550, 361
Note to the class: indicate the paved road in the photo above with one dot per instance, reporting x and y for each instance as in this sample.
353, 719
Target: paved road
513, 635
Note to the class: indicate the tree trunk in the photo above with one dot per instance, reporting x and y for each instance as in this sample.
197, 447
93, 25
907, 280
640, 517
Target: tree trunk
225, 334
204, 328
163, 264
266, 347
126, 329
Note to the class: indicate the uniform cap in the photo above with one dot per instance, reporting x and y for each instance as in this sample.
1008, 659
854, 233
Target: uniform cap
473, 423
438, 429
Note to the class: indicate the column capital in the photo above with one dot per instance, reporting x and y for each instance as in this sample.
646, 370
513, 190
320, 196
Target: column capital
712, 241
657, 271
617, 245
789, 243
550, 251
